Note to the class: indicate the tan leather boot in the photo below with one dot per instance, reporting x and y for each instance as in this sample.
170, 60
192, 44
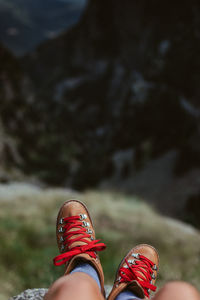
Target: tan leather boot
137, 272
76, 239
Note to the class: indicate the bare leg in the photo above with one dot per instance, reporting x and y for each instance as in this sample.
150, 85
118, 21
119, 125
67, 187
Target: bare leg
177, 290
75, 286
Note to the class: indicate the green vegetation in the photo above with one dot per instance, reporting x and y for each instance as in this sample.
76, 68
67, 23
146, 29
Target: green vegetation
27, 233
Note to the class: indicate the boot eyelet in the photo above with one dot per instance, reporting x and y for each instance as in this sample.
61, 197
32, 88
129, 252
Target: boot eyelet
86, 224
61, 230
61, 239
83, 217
154, 267
130, 261
62, 248
61, 221
136, 255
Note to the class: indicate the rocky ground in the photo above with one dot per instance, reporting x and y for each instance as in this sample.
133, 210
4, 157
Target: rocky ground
34, 294
38, 294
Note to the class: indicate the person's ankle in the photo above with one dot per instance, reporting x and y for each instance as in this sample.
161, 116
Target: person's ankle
126, 295
88, 269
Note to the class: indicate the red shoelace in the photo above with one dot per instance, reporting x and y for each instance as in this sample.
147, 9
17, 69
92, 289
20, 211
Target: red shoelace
141, 271
89, 248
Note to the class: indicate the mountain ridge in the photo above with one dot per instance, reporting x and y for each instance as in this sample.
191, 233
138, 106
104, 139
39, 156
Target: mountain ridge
39, 19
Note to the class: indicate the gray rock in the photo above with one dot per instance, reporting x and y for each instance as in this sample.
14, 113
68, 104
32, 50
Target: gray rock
31, 294
38, 294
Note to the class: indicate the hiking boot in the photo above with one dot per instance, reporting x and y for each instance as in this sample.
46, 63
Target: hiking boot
76, 239
137, 272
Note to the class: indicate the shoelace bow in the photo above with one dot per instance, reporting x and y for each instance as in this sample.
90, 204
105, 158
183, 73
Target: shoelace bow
140, 271
89, 248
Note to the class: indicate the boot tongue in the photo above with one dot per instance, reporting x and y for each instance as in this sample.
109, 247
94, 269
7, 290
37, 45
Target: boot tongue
83, 257
136, 288
77, 243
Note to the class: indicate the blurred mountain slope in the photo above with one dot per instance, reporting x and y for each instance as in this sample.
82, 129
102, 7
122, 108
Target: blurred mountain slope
12, 92
128, 71
19, 124
113, 97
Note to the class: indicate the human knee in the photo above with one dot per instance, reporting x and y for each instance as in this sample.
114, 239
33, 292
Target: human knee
56, 288
85, 282
60, 284
178, 285
74, 284
181, 287
71, 281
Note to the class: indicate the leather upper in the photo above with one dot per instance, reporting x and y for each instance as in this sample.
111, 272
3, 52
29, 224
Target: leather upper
145, 250
75, 208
